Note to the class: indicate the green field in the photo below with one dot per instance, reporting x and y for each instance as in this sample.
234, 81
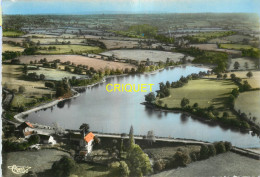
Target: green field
203, 37
68, 49
205, 92
8, 47
236, 46
249, 103
55, 74
12, 33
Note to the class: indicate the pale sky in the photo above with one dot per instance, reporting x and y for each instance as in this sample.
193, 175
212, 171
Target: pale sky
128, 6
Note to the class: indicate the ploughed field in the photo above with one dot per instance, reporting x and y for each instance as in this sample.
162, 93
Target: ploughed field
78, 59
142, 55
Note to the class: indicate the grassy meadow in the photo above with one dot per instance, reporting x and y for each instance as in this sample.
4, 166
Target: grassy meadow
8, 47
246, 101
205, 92
69, 49
11, 80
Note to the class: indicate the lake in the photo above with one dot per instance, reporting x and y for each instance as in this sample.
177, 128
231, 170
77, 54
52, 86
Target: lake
115, 112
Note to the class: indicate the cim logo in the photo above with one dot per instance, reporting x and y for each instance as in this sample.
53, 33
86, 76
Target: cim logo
19, 169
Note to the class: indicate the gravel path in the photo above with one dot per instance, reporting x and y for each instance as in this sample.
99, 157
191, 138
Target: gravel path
227, 164
39, 161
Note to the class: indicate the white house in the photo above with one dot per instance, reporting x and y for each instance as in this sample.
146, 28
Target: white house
47, 139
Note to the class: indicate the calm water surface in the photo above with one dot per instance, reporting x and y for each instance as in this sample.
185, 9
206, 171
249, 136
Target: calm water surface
115, 112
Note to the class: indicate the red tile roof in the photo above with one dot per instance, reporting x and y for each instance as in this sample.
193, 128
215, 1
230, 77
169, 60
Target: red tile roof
29, 124
89, 137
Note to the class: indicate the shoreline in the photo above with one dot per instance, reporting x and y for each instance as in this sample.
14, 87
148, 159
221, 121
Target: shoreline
19, 116
206, 121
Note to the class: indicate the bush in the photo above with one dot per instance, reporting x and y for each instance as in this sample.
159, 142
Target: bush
220, 147
228, 145
49, 84
193, 156
212, 150
181, 159
159, 165
63, 167
204, 152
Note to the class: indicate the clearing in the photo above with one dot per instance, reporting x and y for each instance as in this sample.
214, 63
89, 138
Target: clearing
8, 47
68, 49
142, 55
78, 59
226, 164
249, 103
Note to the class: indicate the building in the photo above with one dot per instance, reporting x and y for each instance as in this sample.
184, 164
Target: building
89, 138
47, 139
25, 129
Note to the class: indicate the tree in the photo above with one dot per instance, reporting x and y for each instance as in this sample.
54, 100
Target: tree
42, 76
124, 170
150, 97
225, 76
219, 76
195, 105
249, 74
138, 162
21, 89
63, 167
84, 128
160, 102
181, 159
235, 92
246, 65
225, 115
236, 65
233, 76
131, 137
184, 102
